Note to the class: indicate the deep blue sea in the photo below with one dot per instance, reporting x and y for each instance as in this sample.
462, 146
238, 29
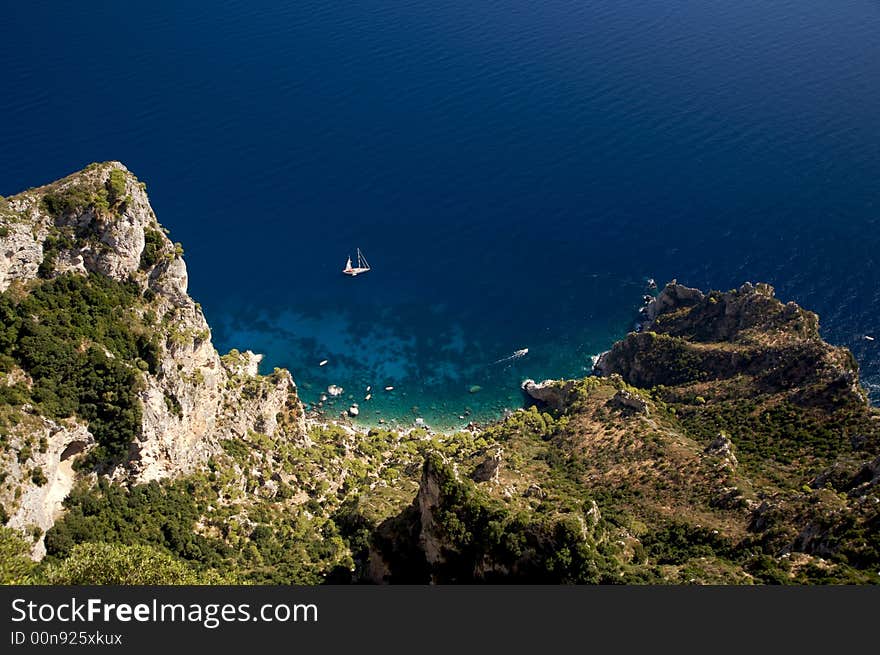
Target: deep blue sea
512, 170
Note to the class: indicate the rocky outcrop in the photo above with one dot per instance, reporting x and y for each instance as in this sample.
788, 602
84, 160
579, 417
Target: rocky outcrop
722, 448
715, 316
100, 221
856, 479
867, 479
489, 469
429, 500
556, 394
672, 296
628, 401
20, 252
38, 470
246, 364
464, 530
102, 241
691, 337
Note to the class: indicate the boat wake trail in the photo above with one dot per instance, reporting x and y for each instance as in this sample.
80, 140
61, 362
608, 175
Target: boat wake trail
516, 355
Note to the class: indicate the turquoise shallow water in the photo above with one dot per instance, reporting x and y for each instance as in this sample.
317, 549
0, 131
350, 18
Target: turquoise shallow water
513, 170
441, 367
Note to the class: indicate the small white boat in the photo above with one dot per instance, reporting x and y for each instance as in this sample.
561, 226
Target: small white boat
368, 396
362, 265
868, 337
323, 362
389, 388
522, 352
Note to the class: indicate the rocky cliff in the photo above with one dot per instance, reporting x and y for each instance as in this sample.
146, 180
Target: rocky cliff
723, 442
99, 222
695, 338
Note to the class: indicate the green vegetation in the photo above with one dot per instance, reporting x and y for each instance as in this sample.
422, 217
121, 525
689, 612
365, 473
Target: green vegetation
266, 547
75, 198
81, 195
162, 516
76, 337
152, 253
554, 548
15, 562
116, 187
173, 405
677, 543
52, 245
116, 564
38, 477
782, 432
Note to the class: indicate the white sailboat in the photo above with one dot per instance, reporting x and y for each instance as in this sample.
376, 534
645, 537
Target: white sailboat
362, 265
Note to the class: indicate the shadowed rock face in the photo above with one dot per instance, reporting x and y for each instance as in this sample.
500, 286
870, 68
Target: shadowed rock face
553, 393
691, 337
628, 401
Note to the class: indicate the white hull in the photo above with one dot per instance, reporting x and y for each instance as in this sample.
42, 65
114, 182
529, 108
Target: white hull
362, 266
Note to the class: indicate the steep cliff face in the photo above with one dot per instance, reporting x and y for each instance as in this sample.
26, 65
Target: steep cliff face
38, 460
99, 221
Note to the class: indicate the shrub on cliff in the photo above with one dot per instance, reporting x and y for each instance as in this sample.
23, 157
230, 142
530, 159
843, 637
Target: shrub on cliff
15, 563
117, 564
116, 186
76, 340
477, 530
163, 516
76, 198
152, 252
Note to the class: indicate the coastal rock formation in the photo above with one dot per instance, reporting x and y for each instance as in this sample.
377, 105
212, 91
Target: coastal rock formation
99, 221
672, 296
554, 393
692, 338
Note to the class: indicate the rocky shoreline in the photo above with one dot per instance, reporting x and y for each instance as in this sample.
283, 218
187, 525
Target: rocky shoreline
723, 441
